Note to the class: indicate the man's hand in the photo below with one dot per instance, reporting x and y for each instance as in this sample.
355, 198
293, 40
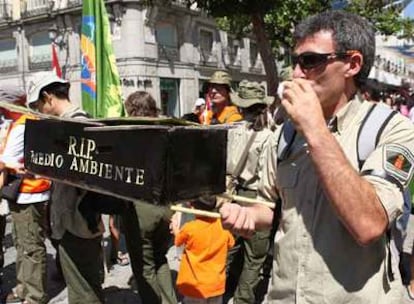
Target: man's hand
175, 224
302, 105
238, 219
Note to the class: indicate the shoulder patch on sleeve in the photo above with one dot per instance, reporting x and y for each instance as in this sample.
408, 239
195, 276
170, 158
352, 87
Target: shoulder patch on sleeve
399, 162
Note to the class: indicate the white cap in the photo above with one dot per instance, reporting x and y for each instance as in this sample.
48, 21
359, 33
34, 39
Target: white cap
41, 80
199, 102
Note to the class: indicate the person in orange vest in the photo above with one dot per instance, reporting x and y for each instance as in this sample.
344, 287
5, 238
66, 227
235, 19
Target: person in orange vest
28, 197
220, 110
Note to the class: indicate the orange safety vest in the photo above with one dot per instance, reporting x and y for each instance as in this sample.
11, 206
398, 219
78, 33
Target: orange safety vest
227, 115
30, 185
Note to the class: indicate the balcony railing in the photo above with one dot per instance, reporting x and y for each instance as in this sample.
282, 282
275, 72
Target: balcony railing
168, 52
36, 7
40, 62
9, 65
208, 57
72, 3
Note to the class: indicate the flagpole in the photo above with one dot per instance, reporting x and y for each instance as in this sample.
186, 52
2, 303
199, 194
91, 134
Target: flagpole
55, 61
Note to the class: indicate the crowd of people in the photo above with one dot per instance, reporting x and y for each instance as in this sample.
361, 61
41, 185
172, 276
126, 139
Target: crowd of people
297, 187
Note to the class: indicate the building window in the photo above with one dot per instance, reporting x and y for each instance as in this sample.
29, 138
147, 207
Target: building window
8, 55
40, 51
206, 45
36, 7
253, 54
166, 35
233, 47
170, 97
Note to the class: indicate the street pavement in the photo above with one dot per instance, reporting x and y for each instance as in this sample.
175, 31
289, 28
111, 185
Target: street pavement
117, 286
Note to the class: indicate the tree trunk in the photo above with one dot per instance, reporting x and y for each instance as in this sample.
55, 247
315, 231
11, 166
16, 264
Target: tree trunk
265, 50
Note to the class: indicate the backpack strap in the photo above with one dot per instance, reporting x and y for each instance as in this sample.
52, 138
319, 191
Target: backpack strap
369, 135
286, 137
243, 158
371, 130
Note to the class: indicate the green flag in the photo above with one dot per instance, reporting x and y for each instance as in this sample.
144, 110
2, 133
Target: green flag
101, 87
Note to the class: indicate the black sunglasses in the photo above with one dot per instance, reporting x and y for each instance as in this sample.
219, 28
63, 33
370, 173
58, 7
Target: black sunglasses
310, 60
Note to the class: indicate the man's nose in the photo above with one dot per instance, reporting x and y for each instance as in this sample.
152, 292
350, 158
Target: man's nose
298, 72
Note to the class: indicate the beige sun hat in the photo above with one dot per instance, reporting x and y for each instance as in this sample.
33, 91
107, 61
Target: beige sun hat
220, 77
250, 93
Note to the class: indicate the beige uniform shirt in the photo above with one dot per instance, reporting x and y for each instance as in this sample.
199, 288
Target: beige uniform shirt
316, 260
237, 140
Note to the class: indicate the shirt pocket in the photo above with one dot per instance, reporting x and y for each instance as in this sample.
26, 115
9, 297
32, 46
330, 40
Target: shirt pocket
287, 176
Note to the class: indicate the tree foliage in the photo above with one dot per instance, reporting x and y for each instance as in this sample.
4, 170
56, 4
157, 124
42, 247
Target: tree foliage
281, 16
386, 18
274, 20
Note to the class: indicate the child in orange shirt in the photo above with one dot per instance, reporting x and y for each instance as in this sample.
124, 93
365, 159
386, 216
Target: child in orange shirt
202, 275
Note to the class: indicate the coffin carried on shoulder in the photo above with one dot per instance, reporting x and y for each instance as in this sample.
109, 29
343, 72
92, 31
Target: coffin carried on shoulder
156, 162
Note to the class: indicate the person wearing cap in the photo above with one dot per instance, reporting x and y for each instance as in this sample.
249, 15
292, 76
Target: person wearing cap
77, 229
218, 94
27, 196
198, 110
244, 162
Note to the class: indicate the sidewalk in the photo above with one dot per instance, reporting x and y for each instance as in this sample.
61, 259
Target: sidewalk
116, 286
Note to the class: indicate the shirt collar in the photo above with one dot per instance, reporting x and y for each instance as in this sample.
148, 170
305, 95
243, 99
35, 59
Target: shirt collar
69, 111
346, 114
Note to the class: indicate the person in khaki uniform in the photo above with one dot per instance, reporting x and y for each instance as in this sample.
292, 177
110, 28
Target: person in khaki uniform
331, 244
244, 163
147, 229
222, 111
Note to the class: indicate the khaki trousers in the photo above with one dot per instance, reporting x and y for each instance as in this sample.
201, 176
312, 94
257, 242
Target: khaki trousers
28, 230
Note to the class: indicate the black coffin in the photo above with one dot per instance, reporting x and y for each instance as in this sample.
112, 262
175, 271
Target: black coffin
159, 164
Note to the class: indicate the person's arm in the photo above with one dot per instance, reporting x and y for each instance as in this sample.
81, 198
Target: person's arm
181, 236
13, 153
245, 220
353, 197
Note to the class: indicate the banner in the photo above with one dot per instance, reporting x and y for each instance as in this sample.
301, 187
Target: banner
55, 62
101, 87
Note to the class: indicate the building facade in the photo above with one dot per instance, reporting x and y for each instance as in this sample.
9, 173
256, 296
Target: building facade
167, 50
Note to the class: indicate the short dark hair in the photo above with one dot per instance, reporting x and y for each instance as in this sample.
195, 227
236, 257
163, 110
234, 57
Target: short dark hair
257, 115
373, 88
141, 103
60, 90
349, 32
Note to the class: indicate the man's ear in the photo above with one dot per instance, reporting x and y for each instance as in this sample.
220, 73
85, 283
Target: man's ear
355, 62
47, 97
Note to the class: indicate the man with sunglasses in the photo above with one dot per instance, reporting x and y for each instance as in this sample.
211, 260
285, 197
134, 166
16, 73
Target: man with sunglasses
331, 245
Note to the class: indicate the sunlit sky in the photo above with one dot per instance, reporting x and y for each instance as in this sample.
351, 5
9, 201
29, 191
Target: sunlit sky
409, 10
